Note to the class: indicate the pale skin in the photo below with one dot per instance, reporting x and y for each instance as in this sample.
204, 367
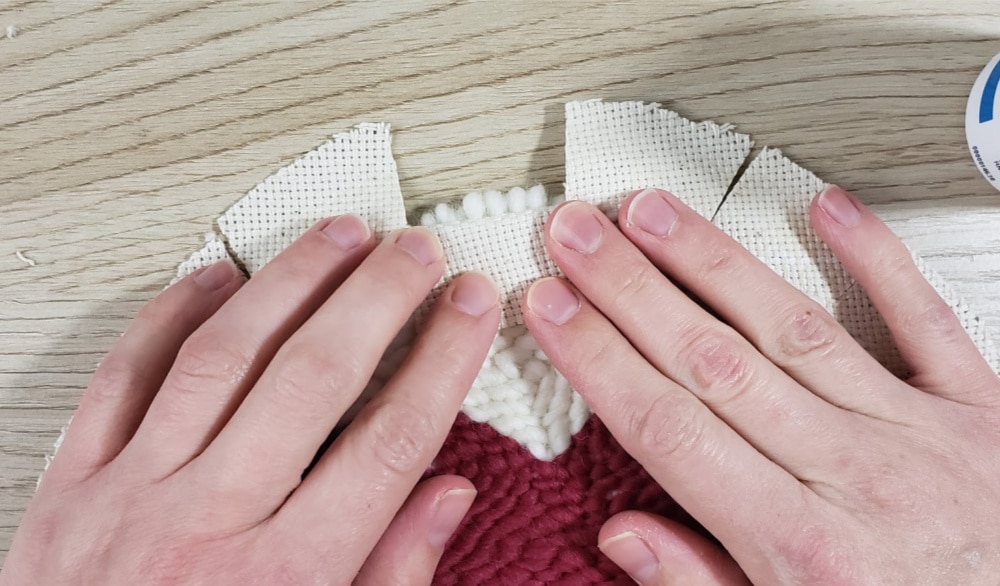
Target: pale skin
808, 461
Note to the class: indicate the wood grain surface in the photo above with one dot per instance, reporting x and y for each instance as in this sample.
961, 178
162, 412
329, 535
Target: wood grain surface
127, 126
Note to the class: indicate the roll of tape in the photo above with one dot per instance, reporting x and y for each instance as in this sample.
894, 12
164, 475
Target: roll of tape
982, 122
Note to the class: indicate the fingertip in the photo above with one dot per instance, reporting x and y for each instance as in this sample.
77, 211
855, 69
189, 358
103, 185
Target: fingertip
216, 276
474, 294
552, 300
834, 204
420, 243
450, 509
632, 554
655, 550
409, 550
348, 231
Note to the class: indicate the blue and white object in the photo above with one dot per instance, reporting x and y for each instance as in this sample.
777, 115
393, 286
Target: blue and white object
982, 122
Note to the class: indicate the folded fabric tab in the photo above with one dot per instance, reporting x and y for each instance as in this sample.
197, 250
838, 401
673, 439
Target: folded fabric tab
509, 248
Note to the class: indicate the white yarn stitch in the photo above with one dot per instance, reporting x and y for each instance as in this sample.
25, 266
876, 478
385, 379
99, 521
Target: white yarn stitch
523, 396
491, 203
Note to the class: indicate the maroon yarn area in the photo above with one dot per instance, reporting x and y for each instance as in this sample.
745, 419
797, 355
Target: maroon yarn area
535, 522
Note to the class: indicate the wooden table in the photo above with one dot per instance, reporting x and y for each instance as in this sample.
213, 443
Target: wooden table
127, 126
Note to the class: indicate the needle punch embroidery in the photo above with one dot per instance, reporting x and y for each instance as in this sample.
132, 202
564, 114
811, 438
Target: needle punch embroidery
548, 473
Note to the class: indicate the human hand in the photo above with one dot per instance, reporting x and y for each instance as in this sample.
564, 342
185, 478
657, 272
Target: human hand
184, 462
808, 461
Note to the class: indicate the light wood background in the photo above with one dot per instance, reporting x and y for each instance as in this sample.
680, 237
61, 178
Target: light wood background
127, 126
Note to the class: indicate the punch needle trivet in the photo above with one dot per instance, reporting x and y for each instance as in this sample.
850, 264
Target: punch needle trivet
548, 473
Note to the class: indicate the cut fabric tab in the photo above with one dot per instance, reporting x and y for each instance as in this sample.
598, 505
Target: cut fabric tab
613, 148
352, 173
768, 213
213, 251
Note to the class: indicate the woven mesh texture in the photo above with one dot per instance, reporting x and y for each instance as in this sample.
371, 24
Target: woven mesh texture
613, 148
509, 249
352, 173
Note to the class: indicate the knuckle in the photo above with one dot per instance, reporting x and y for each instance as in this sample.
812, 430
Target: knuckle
719, 366
402, 435
883, 489
934, 320
892, 265
668, 427
809, 332
720, 260
205, 359
315, 376
636, 285
602, 356
113, 378
813, 555
158, 312
295, 389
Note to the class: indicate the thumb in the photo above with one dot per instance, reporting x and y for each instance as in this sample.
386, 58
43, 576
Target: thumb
656, 552
409, 550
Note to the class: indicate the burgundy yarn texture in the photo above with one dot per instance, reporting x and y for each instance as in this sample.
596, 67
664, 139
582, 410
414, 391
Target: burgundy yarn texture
536, 522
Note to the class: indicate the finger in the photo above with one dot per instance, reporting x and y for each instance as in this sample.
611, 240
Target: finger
218, 364
373, 465
322, 368
410, 549
659, 552
689, 451
927, 332
690, 346
130, 375
786, 326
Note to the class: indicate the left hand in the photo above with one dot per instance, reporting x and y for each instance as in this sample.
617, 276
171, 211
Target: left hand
810, 462
185, 462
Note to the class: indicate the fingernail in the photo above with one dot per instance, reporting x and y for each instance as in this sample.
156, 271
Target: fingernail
451, 509
575, 226
838, 205
349, 231
553, 301
652, 213
474, 294
215, 276
632, 555
421, 244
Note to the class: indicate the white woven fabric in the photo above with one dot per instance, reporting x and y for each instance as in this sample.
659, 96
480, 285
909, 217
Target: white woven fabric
613, 148
509, 249
768, 213
353, 172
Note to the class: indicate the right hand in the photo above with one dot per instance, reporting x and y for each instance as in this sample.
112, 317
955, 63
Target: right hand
810, 462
